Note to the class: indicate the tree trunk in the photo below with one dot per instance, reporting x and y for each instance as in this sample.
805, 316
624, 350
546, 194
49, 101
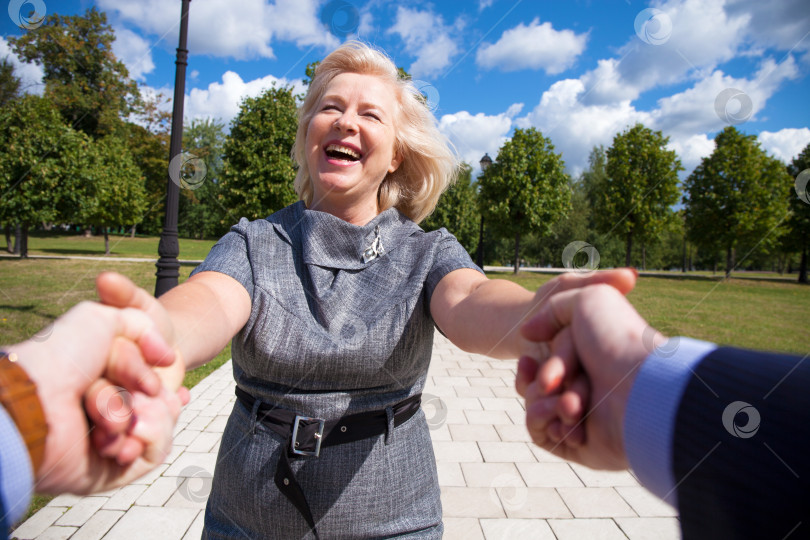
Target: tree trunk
803, 265
683, 264
132, 231
517, 252
627, 256
23, 242
106, 240
729, 261
9, 246
17, 239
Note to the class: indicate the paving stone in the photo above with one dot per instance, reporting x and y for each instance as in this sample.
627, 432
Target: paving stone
526, 502
150, 477
98, 525
501, 452
645, 503
217, 425
204, 442
450, 474
190, 463
474, 391
65, 500
451, 381
514, 529
465, 404
544, 456
502, 404
487, 417
491, 475
39, 522
191, 492
590, 502
459, 372
462, 529
439, 433
158, 493
125, 497
57, 533
154, 522
642, 528
200, 422
594, 478
507, 391
80, 512
592, 529
486, 381
456, 452
473, 432
186, 437
173, 455
195, 531
513, 433
471, 502
548, 475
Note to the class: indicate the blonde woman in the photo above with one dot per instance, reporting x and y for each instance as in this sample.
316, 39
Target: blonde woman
331, 304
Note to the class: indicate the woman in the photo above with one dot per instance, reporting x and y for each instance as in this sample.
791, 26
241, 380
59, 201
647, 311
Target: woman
331, 304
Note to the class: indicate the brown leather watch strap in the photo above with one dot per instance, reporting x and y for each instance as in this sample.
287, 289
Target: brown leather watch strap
18, 394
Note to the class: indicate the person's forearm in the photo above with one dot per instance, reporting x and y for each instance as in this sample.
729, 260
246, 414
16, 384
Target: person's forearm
488, 320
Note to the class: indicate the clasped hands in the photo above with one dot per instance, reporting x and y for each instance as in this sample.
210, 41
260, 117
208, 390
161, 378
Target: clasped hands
110, 419
583, 348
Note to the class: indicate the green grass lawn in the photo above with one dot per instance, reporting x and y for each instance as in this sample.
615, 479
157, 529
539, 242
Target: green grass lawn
42, 243
757, 313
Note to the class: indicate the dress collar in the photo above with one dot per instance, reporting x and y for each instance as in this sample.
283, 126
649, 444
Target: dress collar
331, 242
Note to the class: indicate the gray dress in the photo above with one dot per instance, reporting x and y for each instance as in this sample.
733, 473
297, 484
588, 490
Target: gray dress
331, 335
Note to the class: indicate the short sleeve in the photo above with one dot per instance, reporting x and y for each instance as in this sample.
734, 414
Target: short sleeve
450, 255
231, 256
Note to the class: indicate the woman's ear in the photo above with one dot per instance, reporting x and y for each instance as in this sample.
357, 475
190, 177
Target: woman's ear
395, 161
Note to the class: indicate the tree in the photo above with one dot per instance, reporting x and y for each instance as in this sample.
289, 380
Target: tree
525, 189
9, 83
798, 224
90, 87
110, 190
458, 211
736, 197
40, 159
258, 172
201, 213
635, 199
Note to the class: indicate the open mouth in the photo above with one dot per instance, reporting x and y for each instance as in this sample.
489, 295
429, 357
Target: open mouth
343, 153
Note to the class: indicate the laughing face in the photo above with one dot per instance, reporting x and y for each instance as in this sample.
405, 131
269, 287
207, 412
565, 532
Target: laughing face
350, 141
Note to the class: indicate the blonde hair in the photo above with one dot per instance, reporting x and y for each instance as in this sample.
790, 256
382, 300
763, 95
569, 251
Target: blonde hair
429, 163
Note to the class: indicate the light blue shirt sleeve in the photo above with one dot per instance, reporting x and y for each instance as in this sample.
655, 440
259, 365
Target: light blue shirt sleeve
16, 474
652, 407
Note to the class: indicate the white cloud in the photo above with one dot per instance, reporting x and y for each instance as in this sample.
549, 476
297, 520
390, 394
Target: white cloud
475, 135
30, 75
536, 46
134, 52
484, 4
785, 144
427, 38
221, 99
244, 30
691, 149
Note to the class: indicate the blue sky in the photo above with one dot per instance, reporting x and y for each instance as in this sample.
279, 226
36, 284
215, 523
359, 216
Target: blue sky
579, 71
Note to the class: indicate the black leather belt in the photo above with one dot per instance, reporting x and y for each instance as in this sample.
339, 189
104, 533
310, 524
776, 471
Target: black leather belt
305, 436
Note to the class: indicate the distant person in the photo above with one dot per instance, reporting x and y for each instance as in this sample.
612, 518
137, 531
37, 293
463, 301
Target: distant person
331, 304
95, 362
722, 434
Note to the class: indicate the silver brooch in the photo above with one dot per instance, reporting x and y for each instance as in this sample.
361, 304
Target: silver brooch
375, 249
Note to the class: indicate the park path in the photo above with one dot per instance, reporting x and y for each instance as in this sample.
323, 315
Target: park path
495, 484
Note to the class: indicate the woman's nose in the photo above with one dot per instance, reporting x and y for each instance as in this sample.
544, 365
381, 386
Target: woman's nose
346, 122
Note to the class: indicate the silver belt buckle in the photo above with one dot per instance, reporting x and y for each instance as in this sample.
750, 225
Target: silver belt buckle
318, 436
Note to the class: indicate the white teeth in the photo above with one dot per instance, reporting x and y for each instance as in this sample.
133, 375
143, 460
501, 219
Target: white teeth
342, 149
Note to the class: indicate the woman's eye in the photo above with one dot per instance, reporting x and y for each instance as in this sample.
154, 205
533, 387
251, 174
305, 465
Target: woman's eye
374, 116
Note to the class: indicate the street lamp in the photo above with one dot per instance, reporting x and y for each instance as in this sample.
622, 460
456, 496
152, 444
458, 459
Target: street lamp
168, 268
485, 162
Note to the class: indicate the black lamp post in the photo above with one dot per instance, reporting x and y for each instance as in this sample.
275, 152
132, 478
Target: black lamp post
168, 268
485, 162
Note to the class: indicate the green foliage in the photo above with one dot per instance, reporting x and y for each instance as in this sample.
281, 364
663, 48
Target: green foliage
798, 223
258, 172
40, 161
201, 214
9, 83
736, 197
458, 211
634, 200
526, 189
89, 86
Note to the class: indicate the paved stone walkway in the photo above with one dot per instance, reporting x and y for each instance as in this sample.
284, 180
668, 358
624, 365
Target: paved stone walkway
495, 483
